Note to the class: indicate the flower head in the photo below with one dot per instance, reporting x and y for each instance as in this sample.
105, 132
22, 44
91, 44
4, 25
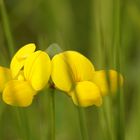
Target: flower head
29, 72
74, 74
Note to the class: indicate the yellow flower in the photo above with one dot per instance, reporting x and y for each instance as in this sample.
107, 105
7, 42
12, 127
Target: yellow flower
74, 74
29, 72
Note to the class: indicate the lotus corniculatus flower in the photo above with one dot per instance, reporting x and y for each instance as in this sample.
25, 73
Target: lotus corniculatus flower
29, 73
74, 74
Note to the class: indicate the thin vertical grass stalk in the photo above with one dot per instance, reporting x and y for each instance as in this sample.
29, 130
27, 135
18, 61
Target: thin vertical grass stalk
6, 28
23, 124
117, 54
82, 120
52, 114
105, 130
82, 123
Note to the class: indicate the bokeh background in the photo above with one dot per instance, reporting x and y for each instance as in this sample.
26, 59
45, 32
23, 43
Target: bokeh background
105, 31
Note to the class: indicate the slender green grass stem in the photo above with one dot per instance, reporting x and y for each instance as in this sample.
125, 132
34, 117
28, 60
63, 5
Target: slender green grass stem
18, 121
108, 111
107, 120
82, 123
82, 120
23, 124
104, 125
52, 114
120, 117
6, 28
117, 52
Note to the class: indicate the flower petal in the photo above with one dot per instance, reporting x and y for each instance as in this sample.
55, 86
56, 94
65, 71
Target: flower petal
20, 57
37, 69
61, 74
18, 93
86, 94
108, 83
70, 67
5, 76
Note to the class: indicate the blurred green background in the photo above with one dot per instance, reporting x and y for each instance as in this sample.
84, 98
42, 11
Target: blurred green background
105, 31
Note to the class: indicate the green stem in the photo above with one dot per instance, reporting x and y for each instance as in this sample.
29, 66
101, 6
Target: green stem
117, 52
107, 120
6, 28
120, 117
105, 130
23, 124
52, 114
82, 123
82, 120
108, 110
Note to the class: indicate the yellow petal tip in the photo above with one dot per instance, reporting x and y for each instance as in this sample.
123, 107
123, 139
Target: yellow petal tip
20, 57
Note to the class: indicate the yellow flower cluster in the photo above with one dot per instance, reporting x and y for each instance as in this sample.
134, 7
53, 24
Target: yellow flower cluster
74, 74
70, 71
29, 72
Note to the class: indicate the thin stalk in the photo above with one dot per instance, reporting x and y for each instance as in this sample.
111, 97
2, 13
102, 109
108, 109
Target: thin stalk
107, 117
52, 114
82, 123
104, 127
43, 103
108, 108
23, 124
6, 28
120, 116
117, 52
82, 120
